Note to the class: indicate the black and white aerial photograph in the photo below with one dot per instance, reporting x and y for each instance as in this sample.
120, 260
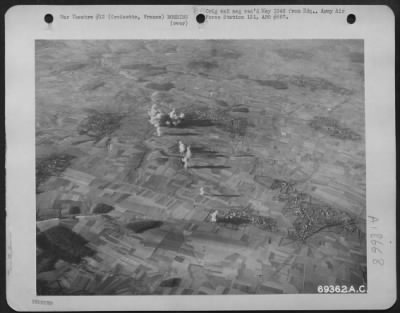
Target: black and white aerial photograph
200, 167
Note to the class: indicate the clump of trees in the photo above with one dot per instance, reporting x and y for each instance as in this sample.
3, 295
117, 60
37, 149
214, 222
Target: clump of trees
332, 128
75, 210
142, 226
102, 208
171, 282
52, 165
100, 124
62, 243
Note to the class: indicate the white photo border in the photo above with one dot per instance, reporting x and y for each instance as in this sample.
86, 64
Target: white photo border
25, 24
